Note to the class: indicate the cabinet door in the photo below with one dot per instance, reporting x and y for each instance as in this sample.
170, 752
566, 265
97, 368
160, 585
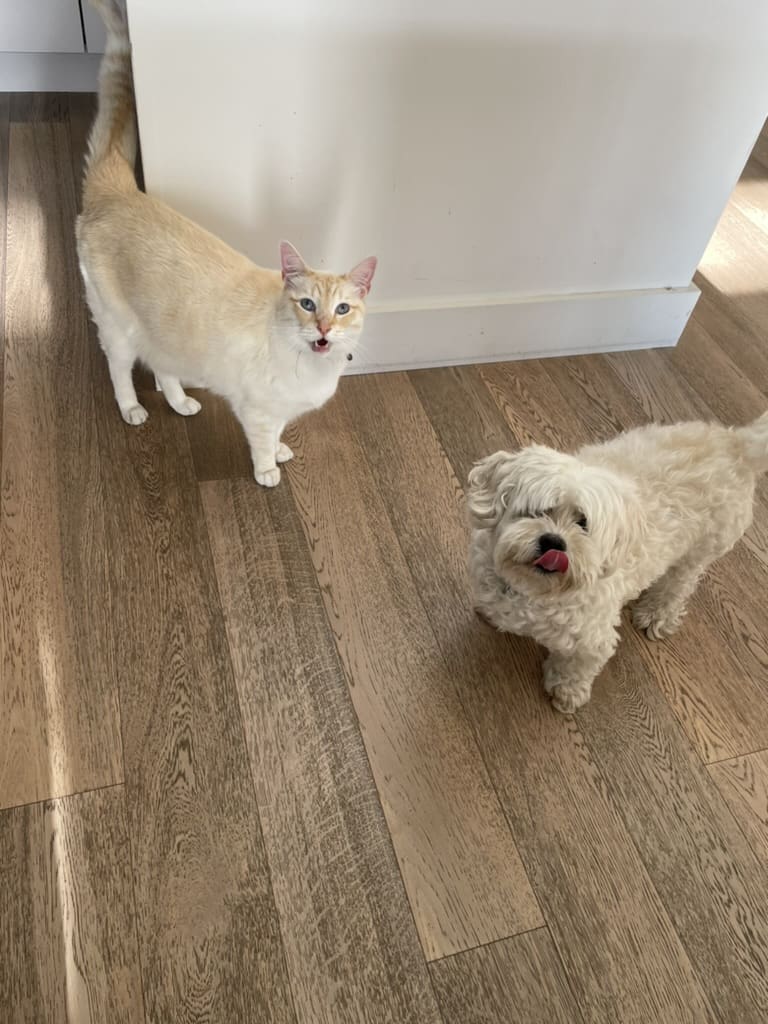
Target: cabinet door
37, 26
95, 33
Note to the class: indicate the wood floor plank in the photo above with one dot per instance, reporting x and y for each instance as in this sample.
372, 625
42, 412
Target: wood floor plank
709, 881
723, 318
579, 855
743, 781
207, 923
218, 443
736, 264
68, 949
352, 949
59, 721
462, 872
517, 979
29, 107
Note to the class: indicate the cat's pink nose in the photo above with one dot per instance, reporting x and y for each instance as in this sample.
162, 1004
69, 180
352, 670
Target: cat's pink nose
323, 327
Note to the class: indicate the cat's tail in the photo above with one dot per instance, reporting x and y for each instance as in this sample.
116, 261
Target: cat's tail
112, 142
755, 441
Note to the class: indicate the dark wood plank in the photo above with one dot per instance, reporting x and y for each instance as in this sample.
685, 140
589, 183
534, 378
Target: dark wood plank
462, 872
218, 443
352, 949
28, 107
743, 781
575, 846
81, 110
59, 720
518, 979
68, 947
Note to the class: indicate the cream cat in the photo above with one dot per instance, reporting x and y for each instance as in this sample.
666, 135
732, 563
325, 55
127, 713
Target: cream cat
164, 291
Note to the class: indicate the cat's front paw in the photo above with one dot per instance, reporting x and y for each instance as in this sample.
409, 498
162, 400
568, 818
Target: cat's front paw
134, 415
268, 477
283, 453
188, 406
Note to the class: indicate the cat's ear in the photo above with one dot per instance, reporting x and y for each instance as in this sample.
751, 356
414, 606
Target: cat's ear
362, 275
291, 263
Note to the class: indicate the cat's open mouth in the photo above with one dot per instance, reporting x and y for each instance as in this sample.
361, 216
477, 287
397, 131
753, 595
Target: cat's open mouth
321, 345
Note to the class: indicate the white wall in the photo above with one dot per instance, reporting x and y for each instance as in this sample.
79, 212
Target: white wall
488, 153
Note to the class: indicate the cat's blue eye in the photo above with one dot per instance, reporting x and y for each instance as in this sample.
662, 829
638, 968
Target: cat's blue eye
342, 308
308, 304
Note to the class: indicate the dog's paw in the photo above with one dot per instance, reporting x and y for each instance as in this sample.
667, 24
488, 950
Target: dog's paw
283, 453
568, 699
655, 625
268, 477
134, 415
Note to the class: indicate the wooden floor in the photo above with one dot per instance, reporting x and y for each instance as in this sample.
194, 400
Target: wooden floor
259, 762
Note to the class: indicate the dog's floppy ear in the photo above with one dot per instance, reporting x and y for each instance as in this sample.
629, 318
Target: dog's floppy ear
486, 497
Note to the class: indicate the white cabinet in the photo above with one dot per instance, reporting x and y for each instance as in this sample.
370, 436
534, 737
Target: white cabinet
49, 46
534, 177
40, 26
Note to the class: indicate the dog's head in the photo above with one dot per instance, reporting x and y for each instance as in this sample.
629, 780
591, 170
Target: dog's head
557, 523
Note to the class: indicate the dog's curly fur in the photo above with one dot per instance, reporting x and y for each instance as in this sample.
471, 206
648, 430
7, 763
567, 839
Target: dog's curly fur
640, 517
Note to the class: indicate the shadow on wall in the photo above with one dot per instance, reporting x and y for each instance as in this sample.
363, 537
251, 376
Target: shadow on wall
522, 166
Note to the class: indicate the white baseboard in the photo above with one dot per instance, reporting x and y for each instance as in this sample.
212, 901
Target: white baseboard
498, 330
502, 330
49, 72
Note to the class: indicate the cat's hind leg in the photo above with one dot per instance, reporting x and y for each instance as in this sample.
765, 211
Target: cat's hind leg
176, 397
120, 349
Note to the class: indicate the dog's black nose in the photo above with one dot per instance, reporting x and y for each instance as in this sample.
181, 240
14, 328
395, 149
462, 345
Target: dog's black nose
551, 542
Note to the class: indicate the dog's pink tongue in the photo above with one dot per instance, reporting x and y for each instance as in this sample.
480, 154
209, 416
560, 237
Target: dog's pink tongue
553, 561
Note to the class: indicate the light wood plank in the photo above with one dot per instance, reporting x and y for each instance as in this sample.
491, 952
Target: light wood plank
736, 263
68, 949
578, 853
462, 872
352, 949
518, 979
743, 781
59, 723
207, 924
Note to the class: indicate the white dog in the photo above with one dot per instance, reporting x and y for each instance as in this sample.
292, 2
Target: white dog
560, 543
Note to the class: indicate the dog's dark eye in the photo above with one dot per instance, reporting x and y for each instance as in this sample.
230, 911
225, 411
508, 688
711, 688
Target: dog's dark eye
308, 304
582, 522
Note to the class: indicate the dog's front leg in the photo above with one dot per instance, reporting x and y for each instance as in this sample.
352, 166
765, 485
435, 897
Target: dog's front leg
568, 678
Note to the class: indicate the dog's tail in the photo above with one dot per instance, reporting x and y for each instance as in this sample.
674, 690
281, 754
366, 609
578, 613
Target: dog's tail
755, 441
113, 139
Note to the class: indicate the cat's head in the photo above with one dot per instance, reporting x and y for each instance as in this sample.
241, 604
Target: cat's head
327, 309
